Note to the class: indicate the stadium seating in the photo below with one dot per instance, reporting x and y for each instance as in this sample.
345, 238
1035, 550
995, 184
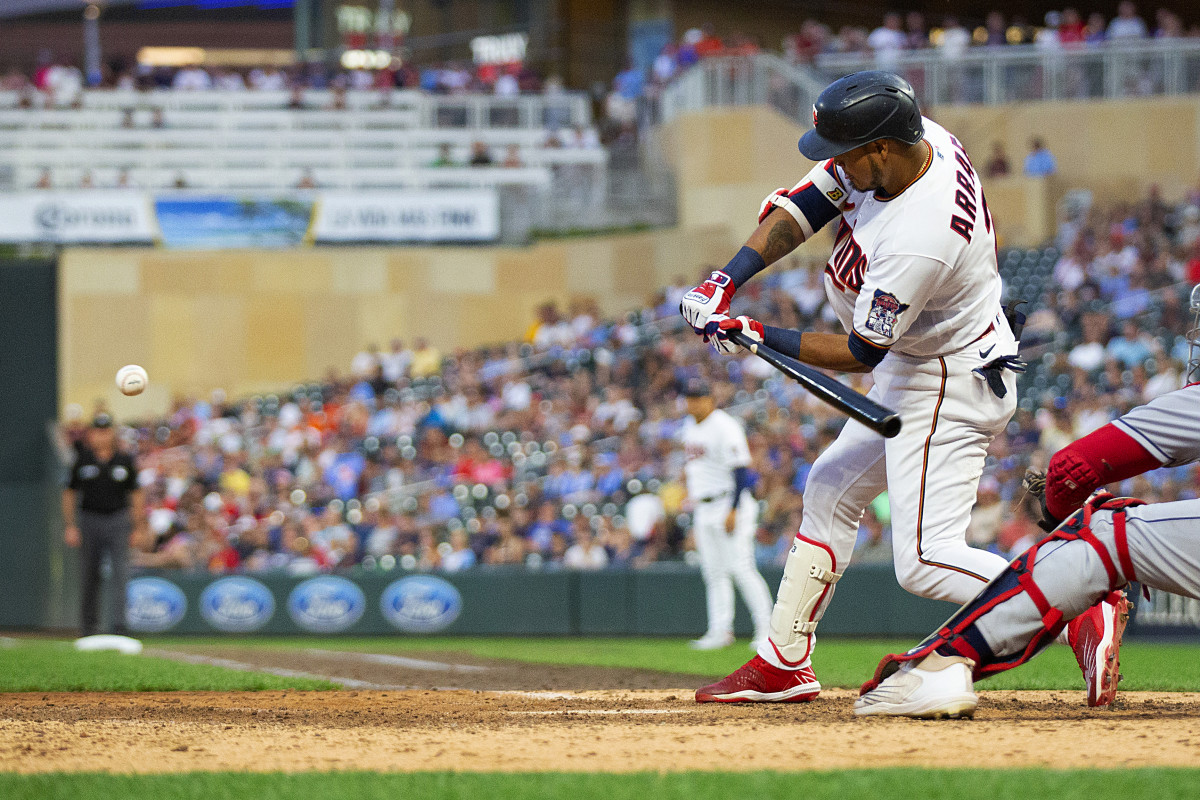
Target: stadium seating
254, 140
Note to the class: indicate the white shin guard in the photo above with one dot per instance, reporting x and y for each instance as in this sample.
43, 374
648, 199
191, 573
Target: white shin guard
804, 594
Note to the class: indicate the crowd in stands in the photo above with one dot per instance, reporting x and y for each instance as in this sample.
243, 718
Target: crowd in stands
560, 451
898, 33
59, 82
953, 35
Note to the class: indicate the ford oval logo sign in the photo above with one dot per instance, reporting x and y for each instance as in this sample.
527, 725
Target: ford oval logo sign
326, 604
421, 604
237, 605
153, 605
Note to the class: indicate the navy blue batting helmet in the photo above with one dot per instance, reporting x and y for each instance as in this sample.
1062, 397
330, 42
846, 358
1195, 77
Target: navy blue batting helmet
862, 108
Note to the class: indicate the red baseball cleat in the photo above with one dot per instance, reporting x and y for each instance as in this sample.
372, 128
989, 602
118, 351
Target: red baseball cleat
756, 681
1095, 636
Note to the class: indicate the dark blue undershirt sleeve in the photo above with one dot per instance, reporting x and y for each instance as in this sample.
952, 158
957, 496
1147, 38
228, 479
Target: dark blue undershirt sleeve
743, 478
782, 340
866, 352
745, 265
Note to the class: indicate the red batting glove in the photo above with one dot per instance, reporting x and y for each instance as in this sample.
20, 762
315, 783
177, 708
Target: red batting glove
710, 297
719, 325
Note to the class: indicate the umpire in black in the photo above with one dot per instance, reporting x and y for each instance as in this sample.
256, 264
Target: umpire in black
102, 507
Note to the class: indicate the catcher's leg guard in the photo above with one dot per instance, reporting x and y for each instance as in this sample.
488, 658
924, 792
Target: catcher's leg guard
1026, 606
804, 593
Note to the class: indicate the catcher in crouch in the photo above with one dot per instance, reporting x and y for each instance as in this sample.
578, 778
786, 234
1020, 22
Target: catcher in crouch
1091, 555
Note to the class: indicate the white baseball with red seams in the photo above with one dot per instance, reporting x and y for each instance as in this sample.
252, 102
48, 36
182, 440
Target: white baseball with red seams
132, 380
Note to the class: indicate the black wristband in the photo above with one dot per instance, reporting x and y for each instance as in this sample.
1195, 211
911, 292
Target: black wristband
782, 340
744, 266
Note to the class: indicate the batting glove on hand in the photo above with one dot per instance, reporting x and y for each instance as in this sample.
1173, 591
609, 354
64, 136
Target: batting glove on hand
710, 297
719, 325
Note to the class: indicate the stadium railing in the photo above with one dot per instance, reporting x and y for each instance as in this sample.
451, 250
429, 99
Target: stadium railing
1014, 73
763, 79
412, 108
1018, 73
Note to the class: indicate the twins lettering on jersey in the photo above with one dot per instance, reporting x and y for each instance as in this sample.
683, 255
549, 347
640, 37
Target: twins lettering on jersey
694, 450
848, 264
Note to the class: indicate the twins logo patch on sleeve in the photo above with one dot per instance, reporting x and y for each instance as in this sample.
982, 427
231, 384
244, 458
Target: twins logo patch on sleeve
885, 308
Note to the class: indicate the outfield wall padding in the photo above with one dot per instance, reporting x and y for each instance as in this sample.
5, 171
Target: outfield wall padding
663, 600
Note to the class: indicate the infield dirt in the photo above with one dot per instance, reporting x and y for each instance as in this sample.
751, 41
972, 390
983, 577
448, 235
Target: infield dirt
531, 718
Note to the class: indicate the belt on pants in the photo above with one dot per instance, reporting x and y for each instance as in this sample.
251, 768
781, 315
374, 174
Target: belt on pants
714, 498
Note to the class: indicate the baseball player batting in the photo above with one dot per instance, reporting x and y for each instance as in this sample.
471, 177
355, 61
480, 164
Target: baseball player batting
914, 281
1091, 555
723, 518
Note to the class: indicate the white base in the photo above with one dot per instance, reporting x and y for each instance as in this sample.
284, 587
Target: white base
108, 641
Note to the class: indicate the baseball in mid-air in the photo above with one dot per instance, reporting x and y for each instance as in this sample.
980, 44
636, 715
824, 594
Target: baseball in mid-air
131, 379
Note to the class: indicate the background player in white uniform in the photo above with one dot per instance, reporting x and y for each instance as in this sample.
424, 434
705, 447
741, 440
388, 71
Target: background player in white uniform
1091, 555
724, 517
914, 280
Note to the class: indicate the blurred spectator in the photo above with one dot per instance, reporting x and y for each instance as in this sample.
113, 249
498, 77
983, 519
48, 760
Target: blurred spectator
307, 181
444, 157
585, 553
916, 36
481, 156
1040, 161
45, 179
888, 39
628, 86
997, 166
426, 360
996, 30
461, 556
191, 78
1071, 31
1132, 347
1094, 32
268, 79
1089, 354
512, 157
987, 515
1127, 24
955, 38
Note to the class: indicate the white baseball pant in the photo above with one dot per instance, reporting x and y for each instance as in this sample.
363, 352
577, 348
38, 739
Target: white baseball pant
727, 559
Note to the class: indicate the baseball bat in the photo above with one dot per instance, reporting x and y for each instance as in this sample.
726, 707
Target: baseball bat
858, 407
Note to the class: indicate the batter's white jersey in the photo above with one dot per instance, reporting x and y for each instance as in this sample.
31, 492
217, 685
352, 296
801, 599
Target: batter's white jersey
916, 272
714, 448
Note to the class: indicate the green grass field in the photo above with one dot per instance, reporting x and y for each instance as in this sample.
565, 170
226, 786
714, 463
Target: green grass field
1138, 784
45, 665
39, 665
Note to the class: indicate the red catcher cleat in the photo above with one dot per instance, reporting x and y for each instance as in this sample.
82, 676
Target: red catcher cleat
1095, 636
756, 681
